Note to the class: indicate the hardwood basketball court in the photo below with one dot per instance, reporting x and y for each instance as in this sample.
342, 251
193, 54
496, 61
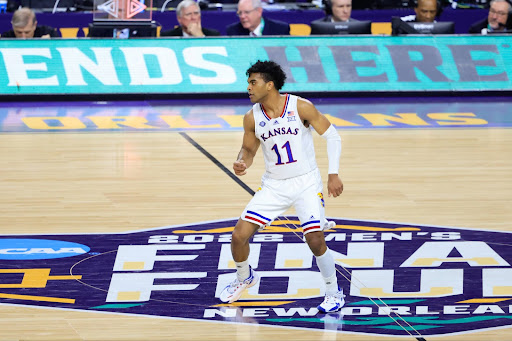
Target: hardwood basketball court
93, 181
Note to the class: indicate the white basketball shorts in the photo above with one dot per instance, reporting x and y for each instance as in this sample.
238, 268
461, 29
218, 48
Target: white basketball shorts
303, 192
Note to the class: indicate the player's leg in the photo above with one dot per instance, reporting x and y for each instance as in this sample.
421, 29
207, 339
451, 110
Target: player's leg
264, 207
240, 237
309, 208
334, 298
245, 276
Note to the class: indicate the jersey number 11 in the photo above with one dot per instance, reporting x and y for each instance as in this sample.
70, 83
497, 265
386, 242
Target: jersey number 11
288, 151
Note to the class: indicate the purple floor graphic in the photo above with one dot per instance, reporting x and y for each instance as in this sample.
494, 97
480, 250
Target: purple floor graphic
223, 114
399, 279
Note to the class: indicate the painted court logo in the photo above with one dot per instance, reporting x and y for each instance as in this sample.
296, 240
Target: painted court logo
24, 249
399, 279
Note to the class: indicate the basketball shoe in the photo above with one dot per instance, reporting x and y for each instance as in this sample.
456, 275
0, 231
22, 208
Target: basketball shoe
332, 302
234, 290
329, 224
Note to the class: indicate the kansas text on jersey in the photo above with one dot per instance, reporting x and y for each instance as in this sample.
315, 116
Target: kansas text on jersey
287, 144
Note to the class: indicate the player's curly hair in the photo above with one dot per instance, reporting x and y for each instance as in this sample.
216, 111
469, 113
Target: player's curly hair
270, 71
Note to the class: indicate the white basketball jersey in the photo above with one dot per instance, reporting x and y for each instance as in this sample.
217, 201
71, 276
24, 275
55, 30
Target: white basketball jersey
287, 144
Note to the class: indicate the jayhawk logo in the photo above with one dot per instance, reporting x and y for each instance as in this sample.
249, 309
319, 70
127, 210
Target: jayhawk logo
321, 196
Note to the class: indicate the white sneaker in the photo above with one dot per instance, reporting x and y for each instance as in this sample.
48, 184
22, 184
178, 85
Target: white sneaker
234, 290
329, 224
332, 302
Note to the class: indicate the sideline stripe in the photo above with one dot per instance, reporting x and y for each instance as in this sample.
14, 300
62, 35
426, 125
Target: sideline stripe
253, 304
37, 298
117, 306
217, 162
484, 300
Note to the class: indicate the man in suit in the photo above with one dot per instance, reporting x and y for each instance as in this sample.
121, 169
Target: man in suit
24, 25
188, 14
426, 11
337, 11
253, 23
498, 20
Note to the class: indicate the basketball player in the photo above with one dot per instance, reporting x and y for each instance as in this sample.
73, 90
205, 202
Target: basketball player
281, 124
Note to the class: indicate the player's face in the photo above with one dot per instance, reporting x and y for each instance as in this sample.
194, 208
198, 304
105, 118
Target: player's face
426, 10
341, 9
498, 14
25, 32
190, 14
257, 88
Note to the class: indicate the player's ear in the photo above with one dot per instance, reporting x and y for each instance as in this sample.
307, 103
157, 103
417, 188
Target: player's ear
270, 85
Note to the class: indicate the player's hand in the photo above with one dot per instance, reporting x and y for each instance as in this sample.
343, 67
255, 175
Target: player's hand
240, 167
334, 185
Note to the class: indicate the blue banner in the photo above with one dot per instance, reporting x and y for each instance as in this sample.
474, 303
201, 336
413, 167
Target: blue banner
218, 65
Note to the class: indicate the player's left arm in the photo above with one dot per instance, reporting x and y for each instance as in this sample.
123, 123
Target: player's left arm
308, 112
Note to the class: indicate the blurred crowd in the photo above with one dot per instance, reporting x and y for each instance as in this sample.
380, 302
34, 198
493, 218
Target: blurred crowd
253, 21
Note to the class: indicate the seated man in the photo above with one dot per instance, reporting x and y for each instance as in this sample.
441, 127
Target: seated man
253, 23
426, 11
24, 25
337, 11
188, 14
498, 20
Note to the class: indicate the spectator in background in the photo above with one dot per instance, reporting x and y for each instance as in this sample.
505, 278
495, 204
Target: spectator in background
188, 14
426, 11
253, 23
337, 11
24, 25
498, 20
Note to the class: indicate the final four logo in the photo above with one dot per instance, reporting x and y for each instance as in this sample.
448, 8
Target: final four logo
399, 279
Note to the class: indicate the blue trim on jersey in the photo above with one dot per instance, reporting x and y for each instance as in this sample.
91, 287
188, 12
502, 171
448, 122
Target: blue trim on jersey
259, 215
264, 113
285, 105
311, 222
283, 114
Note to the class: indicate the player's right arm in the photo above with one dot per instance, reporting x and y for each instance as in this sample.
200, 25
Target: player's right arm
250, 145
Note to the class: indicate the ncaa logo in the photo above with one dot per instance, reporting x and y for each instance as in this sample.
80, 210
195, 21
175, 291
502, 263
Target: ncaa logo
25, 249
